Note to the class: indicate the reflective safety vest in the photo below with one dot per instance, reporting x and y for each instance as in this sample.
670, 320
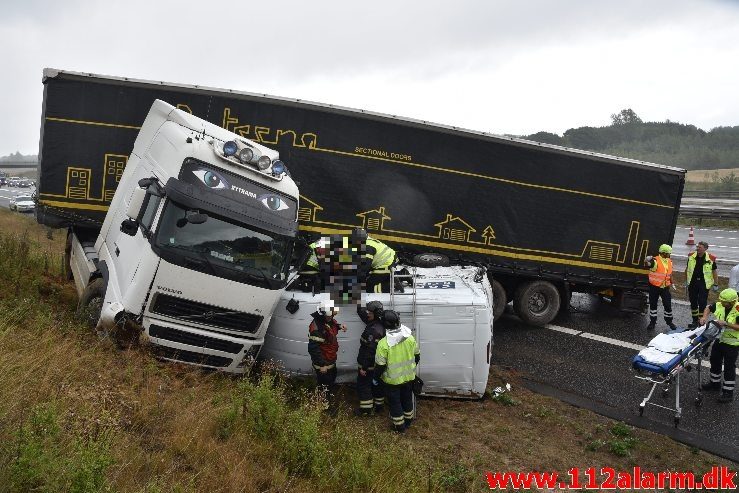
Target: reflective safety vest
399, 359
312, 263
660, 274
382, 258
728, 336
707, 268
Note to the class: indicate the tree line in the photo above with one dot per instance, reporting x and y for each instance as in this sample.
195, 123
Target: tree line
669, 143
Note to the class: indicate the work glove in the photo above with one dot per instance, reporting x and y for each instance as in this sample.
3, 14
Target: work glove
648, 259
715, 288
375, 382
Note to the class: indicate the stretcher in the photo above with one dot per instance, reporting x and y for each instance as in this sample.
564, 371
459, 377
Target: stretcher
667, 356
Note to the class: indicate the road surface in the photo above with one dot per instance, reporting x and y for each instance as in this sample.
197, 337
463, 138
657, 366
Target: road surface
584, 357
722, 243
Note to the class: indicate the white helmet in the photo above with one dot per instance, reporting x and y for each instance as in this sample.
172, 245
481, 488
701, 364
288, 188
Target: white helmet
326, 307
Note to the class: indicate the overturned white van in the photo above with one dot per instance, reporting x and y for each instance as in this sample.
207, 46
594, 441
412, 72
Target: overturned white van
449, 309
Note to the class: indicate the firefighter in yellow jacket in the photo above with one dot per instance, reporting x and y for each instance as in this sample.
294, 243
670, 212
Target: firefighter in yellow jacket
660, 280
395, 363
726, 349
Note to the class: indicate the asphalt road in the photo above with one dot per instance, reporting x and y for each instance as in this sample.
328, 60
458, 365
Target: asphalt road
6, 193
584, 357
723, 244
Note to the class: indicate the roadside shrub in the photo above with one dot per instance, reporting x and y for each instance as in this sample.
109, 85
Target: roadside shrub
43, 457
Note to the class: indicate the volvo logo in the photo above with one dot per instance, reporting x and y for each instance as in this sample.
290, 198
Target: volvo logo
209, 315
168, 290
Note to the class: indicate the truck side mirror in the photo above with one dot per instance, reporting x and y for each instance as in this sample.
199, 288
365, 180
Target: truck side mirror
137, 200
130, 226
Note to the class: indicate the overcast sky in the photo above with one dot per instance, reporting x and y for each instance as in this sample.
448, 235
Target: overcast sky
513, 67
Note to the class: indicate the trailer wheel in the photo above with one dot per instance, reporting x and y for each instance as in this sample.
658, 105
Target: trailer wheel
91, 303
500, 300
537, 302
431, 260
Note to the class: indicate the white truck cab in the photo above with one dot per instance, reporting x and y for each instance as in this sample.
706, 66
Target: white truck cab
196, 245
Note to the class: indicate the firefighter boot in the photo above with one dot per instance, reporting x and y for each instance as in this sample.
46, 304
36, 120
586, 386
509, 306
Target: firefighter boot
652, 324
726, 396
694, 324
711, 386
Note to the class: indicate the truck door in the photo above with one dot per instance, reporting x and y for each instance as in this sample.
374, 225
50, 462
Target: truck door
126, 250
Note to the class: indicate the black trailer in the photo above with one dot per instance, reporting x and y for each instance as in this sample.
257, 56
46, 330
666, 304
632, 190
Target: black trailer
545, 220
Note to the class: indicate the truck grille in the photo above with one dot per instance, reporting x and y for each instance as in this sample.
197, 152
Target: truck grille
190, 357
191, 339
200, 313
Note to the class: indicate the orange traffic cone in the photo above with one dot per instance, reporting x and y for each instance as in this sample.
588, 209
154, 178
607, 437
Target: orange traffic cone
691, 237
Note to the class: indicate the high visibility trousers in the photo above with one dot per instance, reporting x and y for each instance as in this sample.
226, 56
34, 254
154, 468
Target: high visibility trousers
698, 294
726, 356
655, 294
370, 395
400, 400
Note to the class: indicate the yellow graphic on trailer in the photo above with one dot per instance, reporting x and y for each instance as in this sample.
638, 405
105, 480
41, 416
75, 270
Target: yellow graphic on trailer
449, 232
455, 233
79, 181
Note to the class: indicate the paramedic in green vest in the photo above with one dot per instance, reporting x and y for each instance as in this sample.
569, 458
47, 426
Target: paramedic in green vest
701, 274
725, 350
374, 263
660, 280
395, 364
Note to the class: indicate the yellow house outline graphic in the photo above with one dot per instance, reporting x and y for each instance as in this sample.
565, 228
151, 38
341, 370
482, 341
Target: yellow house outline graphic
447, 232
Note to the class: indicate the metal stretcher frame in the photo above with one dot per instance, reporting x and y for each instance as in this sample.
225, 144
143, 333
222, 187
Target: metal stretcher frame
666, 373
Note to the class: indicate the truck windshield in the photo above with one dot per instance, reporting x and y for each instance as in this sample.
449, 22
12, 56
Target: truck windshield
224, 249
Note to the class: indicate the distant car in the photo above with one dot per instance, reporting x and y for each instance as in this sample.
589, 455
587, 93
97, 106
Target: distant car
25, 184
13, 181
3, 181
22, 203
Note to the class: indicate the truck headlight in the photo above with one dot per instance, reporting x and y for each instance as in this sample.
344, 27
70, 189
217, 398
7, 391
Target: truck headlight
263, 162
230, 148
278, 167
246, 155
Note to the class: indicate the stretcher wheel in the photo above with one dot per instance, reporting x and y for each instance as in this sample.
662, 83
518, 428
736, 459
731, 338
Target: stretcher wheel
641, 410
677, 421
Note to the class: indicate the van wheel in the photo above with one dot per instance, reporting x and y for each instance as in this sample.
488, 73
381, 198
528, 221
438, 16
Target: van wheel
91, 303
537, 302
431, 260
500, 300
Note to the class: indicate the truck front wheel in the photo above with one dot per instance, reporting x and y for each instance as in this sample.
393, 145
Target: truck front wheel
91, 303
537, 302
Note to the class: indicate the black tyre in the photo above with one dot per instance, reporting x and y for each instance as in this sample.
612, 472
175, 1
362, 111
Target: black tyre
537, 302
91, 303
68, 256
431, 260
500, 300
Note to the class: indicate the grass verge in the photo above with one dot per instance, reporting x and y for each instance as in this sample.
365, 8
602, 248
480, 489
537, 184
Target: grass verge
78, 415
